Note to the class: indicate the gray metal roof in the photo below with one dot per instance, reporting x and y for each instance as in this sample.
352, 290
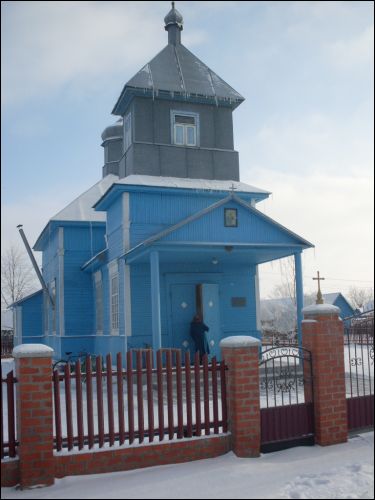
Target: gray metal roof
177, 70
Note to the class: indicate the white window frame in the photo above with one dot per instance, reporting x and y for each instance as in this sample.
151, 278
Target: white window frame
99, 303
185, 127
127, 131
114, 298
53, 307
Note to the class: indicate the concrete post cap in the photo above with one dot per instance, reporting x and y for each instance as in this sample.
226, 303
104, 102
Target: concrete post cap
32, 351
239, 341
321, 310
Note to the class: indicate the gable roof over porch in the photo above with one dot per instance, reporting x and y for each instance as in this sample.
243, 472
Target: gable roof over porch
256, 235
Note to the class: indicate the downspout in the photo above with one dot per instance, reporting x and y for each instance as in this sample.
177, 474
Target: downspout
35, 265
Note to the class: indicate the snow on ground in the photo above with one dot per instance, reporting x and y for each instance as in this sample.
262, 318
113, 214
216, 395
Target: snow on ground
340, 471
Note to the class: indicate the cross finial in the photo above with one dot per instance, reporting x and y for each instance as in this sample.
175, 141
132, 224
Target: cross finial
232, 188
319, 297
172, 5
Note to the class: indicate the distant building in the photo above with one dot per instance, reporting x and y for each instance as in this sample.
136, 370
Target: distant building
280, 314
167, 232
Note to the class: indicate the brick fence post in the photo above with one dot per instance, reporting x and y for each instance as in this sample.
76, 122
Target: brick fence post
33, 363
323, 335
241, 355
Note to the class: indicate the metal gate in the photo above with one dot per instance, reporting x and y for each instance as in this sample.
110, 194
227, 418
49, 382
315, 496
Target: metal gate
359, 370
286, 398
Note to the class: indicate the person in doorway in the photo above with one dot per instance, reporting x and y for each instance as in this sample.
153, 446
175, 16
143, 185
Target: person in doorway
198, 333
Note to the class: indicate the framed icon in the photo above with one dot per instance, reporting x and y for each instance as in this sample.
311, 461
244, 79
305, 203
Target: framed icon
230, 217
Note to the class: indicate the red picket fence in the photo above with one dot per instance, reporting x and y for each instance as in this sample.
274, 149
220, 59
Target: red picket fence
100, 406
8, 417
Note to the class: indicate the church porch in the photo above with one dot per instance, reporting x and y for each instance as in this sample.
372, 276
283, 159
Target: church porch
218, 279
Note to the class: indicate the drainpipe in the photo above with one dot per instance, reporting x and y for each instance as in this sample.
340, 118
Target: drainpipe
35, 265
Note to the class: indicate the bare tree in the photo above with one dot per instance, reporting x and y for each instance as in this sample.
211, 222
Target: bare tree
287, 287
17, 276
359, 297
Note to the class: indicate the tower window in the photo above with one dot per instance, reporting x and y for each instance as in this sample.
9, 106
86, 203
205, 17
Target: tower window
185, 128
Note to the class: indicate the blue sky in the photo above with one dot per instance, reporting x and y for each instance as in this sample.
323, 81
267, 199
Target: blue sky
304, 132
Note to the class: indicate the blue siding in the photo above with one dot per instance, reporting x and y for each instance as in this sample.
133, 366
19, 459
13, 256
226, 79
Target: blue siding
151, 213
345, 309
80, 244
252, 228
114, 229
32, 323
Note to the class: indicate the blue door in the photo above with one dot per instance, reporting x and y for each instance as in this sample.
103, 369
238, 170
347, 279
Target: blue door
183, 309
211, 317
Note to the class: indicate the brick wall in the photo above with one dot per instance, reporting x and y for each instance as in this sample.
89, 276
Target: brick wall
124, 459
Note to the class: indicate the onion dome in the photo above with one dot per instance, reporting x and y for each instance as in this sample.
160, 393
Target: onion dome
114, 131
173, 17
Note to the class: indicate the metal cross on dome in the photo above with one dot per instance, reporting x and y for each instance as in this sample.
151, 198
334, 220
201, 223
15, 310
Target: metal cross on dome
319, 297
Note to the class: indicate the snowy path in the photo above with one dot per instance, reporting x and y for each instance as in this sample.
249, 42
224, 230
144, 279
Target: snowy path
342, 471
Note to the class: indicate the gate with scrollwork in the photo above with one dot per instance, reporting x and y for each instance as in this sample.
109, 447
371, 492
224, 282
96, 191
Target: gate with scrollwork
286, 398
359, 370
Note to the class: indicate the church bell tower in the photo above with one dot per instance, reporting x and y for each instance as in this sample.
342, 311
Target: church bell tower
177, 117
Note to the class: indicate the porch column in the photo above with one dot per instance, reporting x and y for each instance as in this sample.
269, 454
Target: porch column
155, 301
299, 293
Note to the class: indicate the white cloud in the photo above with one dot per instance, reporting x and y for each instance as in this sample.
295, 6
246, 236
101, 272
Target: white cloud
310, 142
354, 52
48, 46
335, 213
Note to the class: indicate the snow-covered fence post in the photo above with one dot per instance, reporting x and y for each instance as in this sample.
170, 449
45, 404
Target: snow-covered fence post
241, 355
323, 335
33, 363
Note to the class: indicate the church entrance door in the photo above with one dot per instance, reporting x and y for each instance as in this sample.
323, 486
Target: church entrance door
187, 300
211, 316
183, 309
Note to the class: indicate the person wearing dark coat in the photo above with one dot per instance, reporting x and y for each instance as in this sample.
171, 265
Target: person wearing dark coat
198, 333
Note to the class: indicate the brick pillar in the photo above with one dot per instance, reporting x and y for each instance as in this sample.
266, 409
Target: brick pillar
34, 414
241, 355
323, 335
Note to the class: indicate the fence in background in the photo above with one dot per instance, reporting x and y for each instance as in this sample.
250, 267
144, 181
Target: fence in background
7, 344
8, 416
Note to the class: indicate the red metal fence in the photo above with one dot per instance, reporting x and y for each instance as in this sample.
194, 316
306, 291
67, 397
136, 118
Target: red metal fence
102, 404
8, 416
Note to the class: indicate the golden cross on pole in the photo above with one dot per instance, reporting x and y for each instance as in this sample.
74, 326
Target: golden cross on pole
319, 297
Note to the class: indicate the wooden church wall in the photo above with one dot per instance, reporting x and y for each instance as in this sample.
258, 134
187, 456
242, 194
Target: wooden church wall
114, 230
31, 320
151, 213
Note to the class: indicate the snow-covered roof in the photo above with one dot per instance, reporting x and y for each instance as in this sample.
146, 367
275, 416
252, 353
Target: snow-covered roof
81, 208
329, 298
179, 182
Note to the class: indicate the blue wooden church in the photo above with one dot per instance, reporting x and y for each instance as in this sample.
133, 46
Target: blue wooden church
168, 231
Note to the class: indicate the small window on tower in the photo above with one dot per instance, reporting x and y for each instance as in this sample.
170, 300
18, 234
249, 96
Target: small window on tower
185, 128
